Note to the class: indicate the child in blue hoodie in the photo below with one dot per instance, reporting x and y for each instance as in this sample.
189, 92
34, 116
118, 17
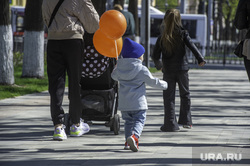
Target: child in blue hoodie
132, 76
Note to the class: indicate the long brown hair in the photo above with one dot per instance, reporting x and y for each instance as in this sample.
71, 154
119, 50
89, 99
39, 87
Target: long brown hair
171, 29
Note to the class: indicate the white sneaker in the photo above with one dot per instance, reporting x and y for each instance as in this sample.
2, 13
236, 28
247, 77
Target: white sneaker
76, 131
187, 126
59, 134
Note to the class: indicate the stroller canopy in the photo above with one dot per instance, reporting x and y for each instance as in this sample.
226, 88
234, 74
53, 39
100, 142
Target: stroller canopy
94, 64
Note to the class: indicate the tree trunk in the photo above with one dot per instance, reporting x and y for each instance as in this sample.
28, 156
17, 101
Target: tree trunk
100, 6
6, 45
227, 21
220, 18
201, 7
216, 21
33, 57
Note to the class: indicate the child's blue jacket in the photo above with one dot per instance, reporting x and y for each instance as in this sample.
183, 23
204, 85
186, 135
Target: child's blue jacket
132, 76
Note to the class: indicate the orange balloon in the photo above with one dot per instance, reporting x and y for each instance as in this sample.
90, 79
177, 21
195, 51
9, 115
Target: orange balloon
106, 46
113, 24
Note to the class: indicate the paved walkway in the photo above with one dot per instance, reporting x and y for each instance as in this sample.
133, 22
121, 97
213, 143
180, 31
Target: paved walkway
221, 117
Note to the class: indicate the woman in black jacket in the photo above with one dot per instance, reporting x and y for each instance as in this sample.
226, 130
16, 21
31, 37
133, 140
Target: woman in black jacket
170, 56
242, 21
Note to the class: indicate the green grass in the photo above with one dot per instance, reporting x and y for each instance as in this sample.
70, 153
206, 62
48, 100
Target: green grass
23, 86
221, 58
153, 70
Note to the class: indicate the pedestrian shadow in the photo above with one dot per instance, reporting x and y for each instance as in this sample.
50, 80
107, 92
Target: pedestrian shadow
18, 105
128, 160
32, 129
105, 162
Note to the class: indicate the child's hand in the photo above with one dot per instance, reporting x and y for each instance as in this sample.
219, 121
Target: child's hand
202, 63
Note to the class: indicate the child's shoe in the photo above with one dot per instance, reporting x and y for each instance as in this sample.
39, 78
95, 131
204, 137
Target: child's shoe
133, 143
77, 131
187, 126
126, 147
59, 133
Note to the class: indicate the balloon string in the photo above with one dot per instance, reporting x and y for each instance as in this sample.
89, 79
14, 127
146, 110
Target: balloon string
116, 50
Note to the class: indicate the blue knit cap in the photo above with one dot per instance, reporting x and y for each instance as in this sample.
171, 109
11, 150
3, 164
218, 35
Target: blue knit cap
131, 49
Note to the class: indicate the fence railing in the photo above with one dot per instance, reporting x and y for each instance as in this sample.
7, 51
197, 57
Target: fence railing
220, 52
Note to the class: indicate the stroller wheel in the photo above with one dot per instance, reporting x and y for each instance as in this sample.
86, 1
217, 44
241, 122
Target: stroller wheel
112, 126
116, 124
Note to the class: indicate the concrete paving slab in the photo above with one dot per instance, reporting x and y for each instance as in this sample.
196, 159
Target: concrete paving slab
220, 136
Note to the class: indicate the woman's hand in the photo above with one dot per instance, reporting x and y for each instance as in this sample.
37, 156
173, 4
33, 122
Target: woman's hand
202, 63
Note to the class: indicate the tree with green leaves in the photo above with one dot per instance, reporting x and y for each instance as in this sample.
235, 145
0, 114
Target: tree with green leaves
33, 57
6, 45
228, 12
161, 4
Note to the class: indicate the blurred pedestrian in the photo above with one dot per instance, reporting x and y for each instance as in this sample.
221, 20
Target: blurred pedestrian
130, 31
64, 55
170, 56
242, 21
132, 77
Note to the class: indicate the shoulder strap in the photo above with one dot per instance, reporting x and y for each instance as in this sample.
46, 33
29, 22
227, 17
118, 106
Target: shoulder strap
55, 11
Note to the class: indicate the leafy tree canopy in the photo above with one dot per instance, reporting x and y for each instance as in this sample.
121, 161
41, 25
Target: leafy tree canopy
229, 8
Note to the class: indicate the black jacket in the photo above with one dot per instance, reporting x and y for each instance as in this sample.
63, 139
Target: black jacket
242, 16
130, 23
178, 60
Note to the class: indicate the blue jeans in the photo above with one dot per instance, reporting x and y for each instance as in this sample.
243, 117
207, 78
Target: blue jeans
134, 122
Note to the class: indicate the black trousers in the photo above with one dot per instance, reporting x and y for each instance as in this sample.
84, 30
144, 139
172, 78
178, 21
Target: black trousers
247, 66
65, 56
182, 79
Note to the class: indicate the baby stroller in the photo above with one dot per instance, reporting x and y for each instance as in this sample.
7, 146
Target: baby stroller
99, 93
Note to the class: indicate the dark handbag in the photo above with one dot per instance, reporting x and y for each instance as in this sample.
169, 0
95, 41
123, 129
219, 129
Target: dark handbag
239, 49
